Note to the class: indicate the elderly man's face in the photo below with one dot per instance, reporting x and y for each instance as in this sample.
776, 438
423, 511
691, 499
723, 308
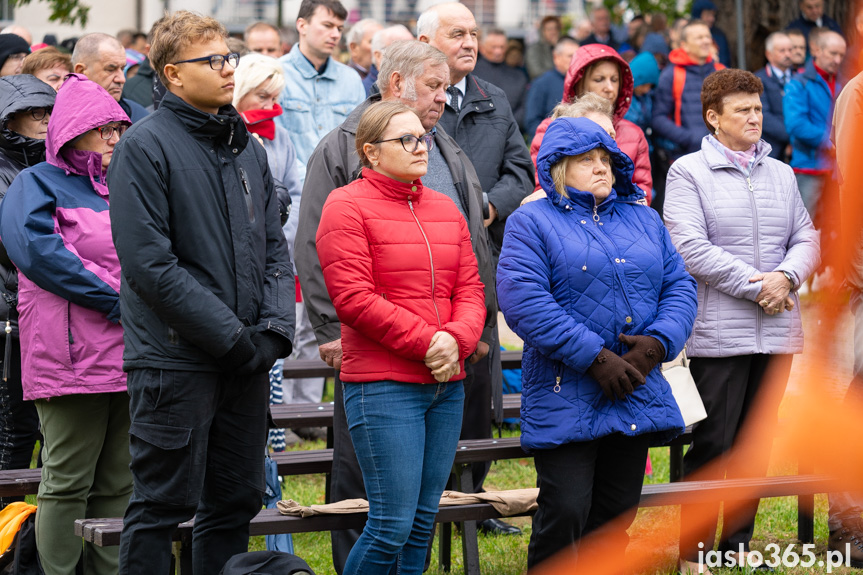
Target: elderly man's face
265, 41
601, 20
812, 9
106, 69
780, 55
457, 38
426, 95
493, 48
831, 53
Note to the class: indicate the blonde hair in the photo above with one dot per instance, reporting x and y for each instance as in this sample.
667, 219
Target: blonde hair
176, 31
373, 124
582, 106
254, 70
558, 175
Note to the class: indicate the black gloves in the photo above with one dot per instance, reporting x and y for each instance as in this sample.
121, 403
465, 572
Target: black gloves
242, 351
644, 353
616, 377
268, 348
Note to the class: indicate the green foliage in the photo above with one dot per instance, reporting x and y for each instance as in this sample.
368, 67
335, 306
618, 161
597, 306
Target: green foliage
63, 11
667, 7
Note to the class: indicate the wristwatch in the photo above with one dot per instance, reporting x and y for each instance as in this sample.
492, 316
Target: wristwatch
789, 278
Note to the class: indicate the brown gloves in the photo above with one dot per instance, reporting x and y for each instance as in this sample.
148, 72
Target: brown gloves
644, 353
616, 377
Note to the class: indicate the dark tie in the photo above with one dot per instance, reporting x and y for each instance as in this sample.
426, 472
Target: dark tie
454, 94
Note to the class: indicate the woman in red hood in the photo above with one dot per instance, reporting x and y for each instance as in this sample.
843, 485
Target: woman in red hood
600, 69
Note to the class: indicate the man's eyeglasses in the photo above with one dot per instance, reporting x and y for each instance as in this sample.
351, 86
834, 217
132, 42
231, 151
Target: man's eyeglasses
107, 132
39, 113
410, 142
217, 61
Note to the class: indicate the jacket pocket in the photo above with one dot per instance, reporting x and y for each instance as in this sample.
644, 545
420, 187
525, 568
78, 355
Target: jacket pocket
247, 195
162, 462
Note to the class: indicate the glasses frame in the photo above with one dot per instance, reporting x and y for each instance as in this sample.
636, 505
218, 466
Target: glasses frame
38, 114
121, 129
427, 138
226, 58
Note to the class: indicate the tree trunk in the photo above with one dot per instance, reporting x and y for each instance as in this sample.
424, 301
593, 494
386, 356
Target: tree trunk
761, 18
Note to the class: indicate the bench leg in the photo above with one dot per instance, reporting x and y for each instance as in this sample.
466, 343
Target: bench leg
675, 463
183, 555
805, 510
445, 547
469, 539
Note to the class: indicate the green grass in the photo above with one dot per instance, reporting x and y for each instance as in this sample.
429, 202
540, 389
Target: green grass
777, 523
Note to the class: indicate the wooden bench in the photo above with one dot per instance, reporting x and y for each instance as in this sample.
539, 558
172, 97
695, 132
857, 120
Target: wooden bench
106, 532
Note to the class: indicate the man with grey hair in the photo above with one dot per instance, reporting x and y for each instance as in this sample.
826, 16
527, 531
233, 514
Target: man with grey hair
359, 41
380, 41
774, 76
102, 59
479, 117
417, 75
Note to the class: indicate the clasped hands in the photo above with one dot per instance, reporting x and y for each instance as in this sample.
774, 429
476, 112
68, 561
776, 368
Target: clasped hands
442, 357
618, 376
774, 296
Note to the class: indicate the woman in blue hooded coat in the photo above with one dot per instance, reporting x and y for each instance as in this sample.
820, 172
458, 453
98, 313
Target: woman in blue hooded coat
591, 282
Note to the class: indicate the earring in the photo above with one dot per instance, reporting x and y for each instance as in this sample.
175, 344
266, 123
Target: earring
375, 163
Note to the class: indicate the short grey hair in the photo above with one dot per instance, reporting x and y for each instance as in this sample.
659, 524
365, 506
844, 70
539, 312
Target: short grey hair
409, 58
381, 39
771, 40
90, 45
255, 69
358, 30
563, 42
428, 23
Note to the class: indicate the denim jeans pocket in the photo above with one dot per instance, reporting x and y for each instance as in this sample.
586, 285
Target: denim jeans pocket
162, 462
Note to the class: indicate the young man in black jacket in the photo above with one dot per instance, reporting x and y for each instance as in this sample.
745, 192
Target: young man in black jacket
207, 304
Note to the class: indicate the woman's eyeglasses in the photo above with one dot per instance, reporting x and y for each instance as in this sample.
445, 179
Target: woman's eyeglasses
39, 113
107, 132
410, 142
217, 61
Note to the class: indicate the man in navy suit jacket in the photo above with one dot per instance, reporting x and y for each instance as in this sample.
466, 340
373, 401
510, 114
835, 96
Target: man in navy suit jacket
774, 76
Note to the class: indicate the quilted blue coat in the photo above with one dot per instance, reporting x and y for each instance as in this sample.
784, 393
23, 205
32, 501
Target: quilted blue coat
572, 277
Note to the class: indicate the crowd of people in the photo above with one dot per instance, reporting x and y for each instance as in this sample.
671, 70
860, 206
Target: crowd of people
617, 192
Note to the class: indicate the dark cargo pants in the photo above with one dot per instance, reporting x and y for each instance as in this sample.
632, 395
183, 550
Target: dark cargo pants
197, 441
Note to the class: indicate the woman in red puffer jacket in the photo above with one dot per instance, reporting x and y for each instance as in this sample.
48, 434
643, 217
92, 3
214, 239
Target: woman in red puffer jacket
401, 273
587, 74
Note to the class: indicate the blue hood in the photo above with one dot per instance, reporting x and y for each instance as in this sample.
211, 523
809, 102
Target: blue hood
574, 136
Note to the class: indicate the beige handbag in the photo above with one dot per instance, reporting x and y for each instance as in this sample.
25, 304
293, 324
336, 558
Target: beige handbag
683, 387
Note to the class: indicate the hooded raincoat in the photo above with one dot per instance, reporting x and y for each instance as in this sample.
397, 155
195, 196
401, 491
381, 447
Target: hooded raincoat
18, 93
630, 139
55, 226
574, 275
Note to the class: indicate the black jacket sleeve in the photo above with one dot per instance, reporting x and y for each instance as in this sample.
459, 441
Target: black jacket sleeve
141, 232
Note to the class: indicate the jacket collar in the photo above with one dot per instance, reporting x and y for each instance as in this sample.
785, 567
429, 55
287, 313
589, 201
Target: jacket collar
474, 93
716, 159
353, 120
305, 68
226, 126
393, 189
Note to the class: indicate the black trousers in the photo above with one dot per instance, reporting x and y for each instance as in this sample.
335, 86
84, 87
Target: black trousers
731, 388
582, 486
19, 422
198, 442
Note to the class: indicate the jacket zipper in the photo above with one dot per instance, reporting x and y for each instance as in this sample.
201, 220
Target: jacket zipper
558, 375
431, 260
248, 195
758, 316
629, 314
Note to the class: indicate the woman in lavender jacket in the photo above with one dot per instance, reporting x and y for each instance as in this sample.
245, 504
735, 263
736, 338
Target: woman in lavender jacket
736, 217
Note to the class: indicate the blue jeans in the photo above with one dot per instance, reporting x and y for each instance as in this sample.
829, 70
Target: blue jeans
405, 436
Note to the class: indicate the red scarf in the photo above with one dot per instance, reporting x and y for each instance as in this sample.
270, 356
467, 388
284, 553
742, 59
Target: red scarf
261, 121
829, 78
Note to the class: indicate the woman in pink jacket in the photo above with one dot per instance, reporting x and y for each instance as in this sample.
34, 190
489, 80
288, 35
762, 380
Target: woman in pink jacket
600, 69
54, 224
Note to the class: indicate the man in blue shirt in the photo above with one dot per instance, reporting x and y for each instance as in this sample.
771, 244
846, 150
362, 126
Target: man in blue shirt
319, 92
